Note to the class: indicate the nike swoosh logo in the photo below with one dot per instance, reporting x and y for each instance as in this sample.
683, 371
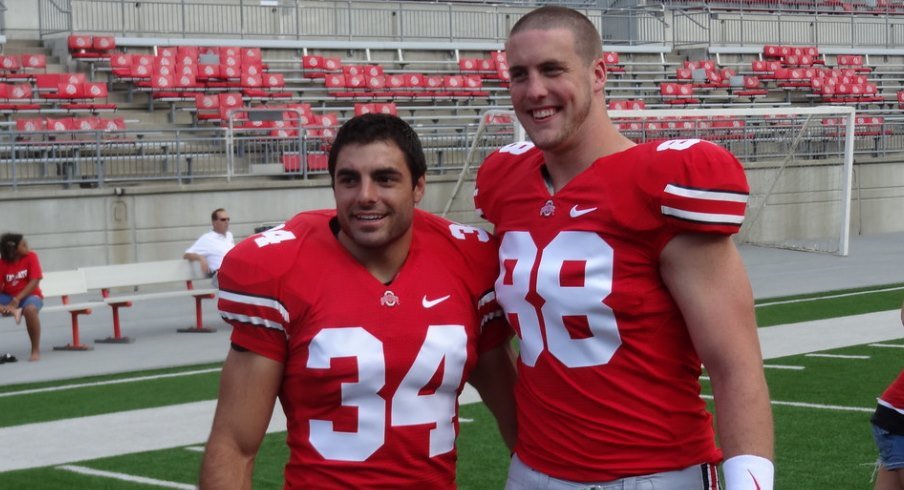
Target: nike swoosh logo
577, 213
755, 482
430, 303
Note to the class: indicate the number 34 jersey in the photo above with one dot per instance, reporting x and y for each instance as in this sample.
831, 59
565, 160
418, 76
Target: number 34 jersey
608, 378
372, 372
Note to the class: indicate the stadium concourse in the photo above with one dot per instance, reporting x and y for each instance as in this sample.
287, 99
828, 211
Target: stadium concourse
873, 260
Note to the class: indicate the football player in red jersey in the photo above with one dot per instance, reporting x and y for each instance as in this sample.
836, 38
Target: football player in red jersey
365, 321
888, 432
620, 278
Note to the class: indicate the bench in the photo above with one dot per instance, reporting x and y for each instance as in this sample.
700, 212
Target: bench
107, 277
62, 284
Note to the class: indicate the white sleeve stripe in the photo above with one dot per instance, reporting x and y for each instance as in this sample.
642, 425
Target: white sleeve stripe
253, 320
676, 190
486, 298
714, 218
256, 301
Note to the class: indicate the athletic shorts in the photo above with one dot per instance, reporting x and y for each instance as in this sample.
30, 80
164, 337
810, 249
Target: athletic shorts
29, 300
891, 448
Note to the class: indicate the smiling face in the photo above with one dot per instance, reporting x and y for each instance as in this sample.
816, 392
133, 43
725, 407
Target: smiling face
556, 93
375, 199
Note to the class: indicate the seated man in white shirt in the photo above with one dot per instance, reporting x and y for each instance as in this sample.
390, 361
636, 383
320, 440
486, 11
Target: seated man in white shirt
212, 246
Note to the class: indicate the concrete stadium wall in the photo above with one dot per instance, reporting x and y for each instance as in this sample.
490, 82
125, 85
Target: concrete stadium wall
77, 228
86, 227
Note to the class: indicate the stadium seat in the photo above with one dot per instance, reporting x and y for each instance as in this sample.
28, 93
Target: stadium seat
747, 86
678, 93
31, 124
854, 62
627, 105
610, 58
9, 64
86, 46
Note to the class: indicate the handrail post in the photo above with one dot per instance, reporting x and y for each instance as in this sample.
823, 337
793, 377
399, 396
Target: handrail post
242, 19
98, 161
297, 20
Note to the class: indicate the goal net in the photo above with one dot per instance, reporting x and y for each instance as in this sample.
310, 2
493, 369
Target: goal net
798, 161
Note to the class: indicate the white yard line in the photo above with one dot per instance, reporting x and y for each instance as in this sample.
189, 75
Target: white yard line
782, 366
838, 356
891, 346
129, 478
817, 406
831, 296
109, 382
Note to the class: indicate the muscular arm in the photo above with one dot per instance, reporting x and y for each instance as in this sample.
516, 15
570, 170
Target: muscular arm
248, 390
494, 378
707, 278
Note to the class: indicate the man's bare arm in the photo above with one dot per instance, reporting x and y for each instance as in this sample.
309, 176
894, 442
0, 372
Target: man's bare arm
248, 389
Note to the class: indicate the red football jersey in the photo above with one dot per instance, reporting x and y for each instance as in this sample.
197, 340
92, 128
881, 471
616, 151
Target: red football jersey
372, 371
893, 397
14, 276
608, 377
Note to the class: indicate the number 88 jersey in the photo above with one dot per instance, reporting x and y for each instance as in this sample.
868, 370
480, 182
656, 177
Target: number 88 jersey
608, 378
372, 372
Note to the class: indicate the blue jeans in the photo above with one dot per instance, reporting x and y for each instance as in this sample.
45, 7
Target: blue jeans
891, 448
29, 300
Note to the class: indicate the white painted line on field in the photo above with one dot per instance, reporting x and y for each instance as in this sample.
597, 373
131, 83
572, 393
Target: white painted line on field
819, 406
837, 356
197, 449
124, 477
465, 420
823, 407
831, 296
704, 378
783, 366
109, 382
892, 346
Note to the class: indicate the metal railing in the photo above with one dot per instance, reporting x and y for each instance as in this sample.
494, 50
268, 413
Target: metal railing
2, 18
99, 159
328, 20
739, 27
54, 17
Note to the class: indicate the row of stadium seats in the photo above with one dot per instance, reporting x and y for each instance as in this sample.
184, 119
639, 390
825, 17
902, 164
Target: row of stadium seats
22, 66
179, 74
68, 124
66, 91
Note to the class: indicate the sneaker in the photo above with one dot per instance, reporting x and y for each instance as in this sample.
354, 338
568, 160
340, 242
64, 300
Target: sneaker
7, 358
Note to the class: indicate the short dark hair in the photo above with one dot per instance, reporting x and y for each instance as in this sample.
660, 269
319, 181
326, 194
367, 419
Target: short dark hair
213, 215
373, 127
587, 41
9, 242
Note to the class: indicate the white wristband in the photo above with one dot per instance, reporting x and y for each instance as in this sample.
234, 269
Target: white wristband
748, 472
